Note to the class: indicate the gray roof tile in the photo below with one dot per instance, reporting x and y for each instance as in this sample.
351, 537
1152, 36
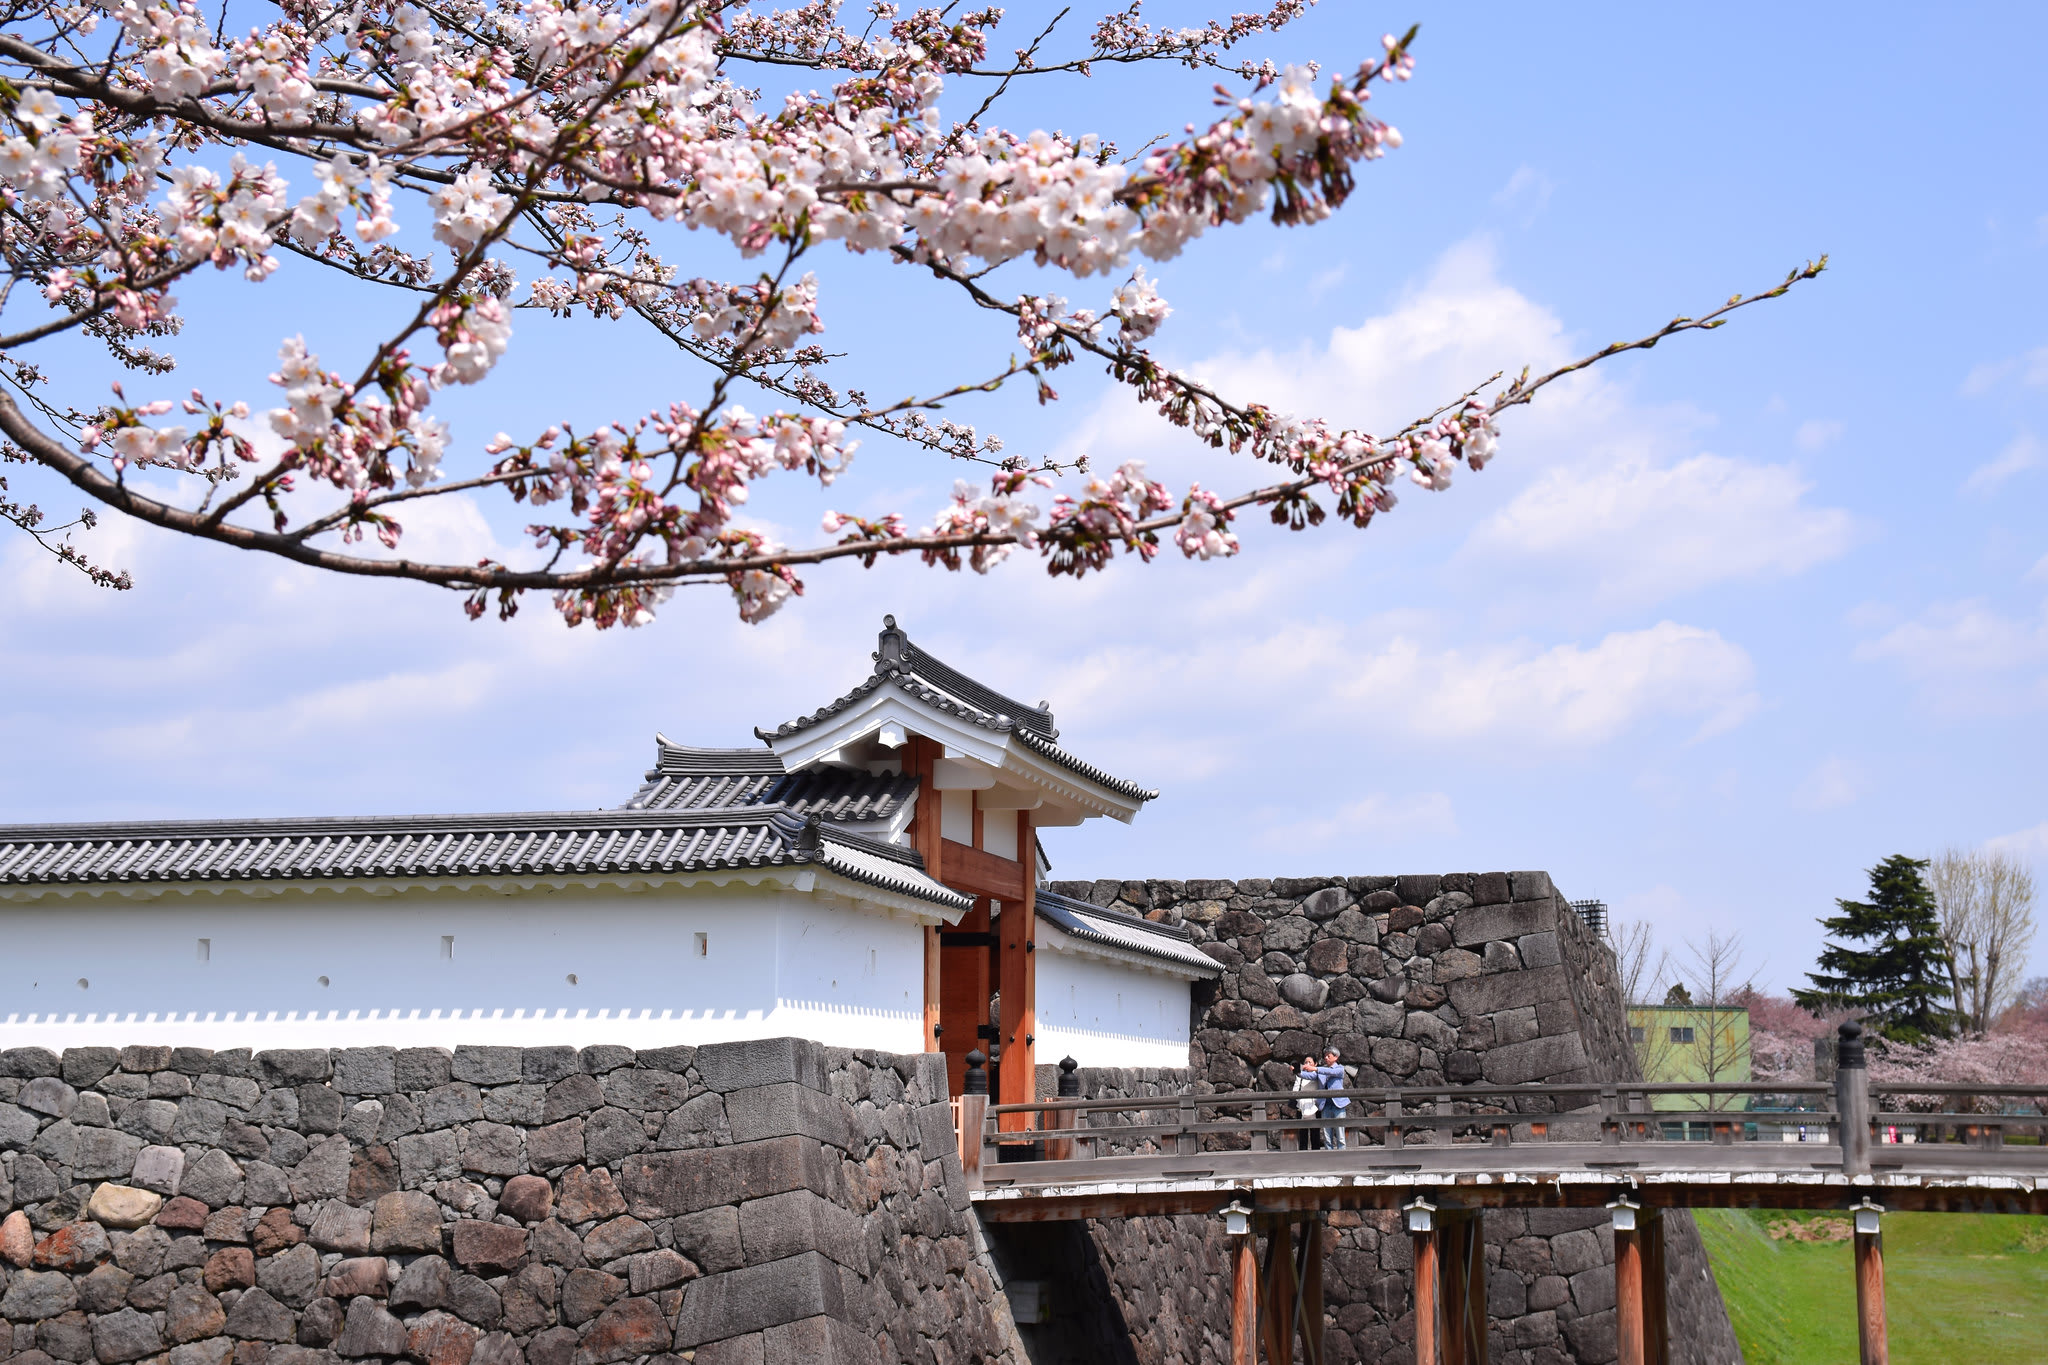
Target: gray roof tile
525, 844
901, 664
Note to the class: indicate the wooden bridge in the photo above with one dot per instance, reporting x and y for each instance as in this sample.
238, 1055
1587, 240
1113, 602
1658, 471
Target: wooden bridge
1443, 1155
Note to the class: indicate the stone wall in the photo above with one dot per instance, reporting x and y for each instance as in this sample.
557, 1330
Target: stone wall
1418, 981
741, 1204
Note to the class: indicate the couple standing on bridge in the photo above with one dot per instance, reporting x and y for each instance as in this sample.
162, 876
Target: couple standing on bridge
1331, 1075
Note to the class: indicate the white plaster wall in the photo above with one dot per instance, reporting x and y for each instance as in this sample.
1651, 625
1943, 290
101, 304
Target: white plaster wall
1107, 1014
775, 962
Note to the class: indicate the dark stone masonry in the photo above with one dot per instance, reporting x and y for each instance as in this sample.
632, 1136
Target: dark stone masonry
776, 1202
762, 1203
1465, 978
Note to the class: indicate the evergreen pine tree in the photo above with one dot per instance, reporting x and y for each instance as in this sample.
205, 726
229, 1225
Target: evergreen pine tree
1900, 980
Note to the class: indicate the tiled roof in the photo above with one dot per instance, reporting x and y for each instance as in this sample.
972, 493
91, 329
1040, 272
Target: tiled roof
901, 664
574, 843
711, 779
1113, 929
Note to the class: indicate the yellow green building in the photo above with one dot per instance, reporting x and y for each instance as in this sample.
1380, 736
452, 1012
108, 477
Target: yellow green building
1681, 1042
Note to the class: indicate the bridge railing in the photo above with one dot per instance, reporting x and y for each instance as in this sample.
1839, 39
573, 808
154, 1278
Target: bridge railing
1507, 1116
1499, 1116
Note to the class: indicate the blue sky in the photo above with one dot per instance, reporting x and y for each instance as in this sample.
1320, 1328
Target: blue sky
1724, 625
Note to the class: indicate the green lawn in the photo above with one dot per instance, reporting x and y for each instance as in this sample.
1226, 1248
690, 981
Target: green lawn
1958, 1287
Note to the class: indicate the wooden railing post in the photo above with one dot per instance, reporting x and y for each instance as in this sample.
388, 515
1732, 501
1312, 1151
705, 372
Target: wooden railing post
1062, 1148
1852, 1099
971, 1111
1871, 1340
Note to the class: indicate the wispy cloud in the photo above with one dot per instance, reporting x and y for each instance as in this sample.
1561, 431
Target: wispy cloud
2022, 453
1834, 782
1642, 530
1817, 433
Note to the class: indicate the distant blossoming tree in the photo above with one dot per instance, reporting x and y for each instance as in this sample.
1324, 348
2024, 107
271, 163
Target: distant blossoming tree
555, 151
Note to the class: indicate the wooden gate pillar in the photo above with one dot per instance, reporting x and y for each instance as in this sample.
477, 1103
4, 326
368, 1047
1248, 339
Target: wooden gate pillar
1464, 1286
1871, 1340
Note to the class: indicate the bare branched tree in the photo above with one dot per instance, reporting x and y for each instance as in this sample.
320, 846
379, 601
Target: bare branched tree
1986, 903
1714, 973
1644, 966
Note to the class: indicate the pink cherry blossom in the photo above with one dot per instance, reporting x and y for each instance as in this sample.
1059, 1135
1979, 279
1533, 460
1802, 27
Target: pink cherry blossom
477, 159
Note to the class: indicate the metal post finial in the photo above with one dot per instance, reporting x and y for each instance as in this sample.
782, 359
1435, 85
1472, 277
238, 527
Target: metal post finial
1070, 1084
977, 1076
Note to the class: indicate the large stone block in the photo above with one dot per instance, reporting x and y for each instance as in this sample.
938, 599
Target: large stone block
665, 1184
1483, 923
817, 1341
257, 1316
1509, 990
711, 1239
726, 1067
366, 1070
758, 1297
339, 1227
785, 1225
124, 1336
406, 1220
488, 1248
629, 1328
1536, 1060
488, 1065
768, 1111
555, 1146
294, 1066
33, 1295
370, 1331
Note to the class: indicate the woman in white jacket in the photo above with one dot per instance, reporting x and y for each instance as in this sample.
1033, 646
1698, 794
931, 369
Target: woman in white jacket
1305, 1078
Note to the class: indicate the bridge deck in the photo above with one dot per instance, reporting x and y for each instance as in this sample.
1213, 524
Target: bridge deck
1942, 1177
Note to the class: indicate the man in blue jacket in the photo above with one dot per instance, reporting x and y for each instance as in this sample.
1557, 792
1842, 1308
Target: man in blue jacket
1330, 1076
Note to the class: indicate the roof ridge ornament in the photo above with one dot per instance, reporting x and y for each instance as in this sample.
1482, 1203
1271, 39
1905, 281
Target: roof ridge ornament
892, 648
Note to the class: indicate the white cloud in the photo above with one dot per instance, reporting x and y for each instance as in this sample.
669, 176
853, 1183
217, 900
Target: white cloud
1643, 531
1376, 819
1567, 694
1527, 192
1968, 655
2031, 368
2026, 843
1817, 434
1834, 782
2022, 453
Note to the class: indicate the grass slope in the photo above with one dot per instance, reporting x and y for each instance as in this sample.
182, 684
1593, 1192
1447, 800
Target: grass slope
1958, 1287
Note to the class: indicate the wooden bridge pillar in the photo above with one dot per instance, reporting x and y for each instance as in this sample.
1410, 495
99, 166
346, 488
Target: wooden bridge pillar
1428, 1296
1871, 1337
1641, 1324
1244, 1300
